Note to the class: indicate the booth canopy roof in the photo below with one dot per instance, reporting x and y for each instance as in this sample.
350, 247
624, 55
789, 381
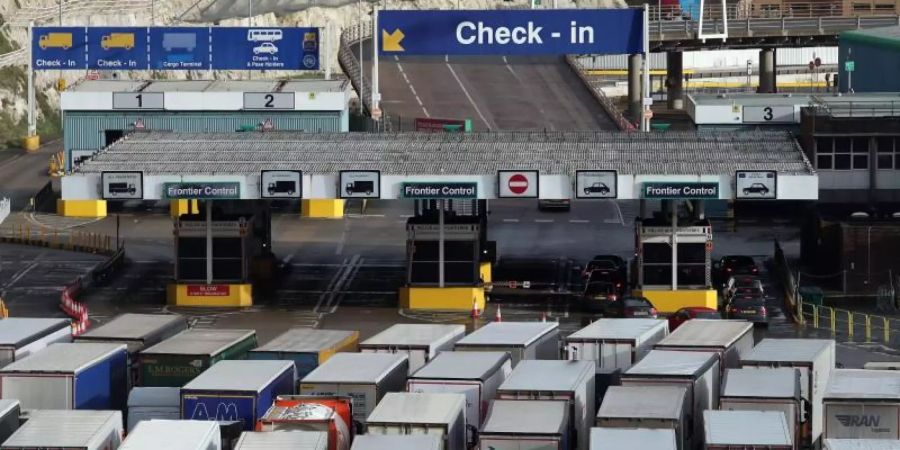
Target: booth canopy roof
670, 153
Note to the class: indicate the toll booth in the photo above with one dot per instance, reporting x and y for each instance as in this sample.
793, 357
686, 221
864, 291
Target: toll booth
673, 263
219, 253
448, 257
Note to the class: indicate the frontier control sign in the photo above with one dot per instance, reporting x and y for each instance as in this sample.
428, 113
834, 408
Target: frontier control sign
511, 32
680, 190
427, 191
202, 191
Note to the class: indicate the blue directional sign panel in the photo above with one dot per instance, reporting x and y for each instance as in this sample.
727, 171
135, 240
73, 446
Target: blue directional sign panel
58, 48
239, 48
117, 48
512, 32
179, 48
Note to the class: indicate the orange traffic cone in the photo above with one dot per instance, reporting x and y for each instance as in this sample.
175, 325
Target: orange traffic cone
498, 317
476, 313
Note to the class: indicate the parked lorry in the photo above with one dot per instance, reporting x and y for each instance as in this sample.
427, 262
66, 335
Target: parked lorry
814, 359
527, 425
746, 430
397, 442
860, 444
331, 414
698, 372
137, 332
178, 359
653, 407
364, 377
295, 440
615, 343
10, 410
765, 390
862, 404
523, 340
69, 376
237, 391
22, 336
572, 381
174, 435
153, 403
68, 430
409, 413
307, 347
421, 342
632, 439
728, 339
477, 375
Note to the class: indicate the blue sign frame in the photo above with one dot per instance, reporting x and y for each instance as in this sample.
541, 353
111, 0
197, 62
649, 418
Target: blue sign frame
62, 48
265, 48
511, 32
117, 48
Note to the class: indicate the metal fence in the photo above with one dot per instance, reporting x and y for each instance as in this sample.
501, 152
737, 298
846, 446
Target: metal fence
608, 105
852, 326
5, 206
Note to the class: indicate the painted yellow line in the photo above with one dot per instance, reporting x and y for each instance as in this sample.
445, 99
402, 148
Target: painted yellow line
623, 72
737, 84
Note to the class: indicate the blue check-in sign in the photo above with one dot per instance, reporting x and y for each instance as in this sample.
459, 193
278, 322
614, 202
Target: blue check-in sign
511, 32
58, 48
117, 48
242, 48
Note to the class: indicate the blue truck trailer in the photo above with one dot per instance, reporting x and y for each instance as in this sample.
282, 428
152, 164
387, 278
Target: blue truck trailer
69, 376
237, 391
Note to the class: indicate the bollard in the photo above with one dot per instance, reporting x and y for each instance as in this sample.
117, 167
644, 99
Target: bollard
815, 316
850, 324
887, 329
833, 321
868, 328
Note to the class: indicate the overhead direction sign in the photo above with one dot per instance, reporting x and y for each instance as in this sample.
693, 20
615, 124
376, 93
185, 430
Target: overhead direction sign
117, 48
359, 184
756, 184
179, 48
511, 32
518, 184
679, 190
122, 185
439, 190
59, 48
596, 184
242, 48
281, 184
212, 190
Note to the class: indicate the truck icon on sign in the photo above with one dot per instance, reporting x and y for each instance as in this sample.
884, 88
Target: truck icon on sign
117, 40
181, 41
121, 189
55, 40
360, 187
282, 187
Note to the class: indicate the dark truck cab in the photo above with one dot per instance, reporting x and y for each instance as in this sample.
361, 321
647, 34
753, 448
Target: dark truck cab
359, 187
121, 188
282, 187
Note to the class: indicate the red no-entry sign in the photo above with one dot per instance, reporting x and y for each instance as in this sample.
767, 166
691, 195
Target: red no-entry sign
518, 184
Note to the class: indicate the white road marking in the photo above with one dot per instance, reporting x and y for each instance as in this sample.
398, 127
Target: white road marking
579, 221
468, 96
340, 246
619, 212
511, 220
21, 274
543, 220
411, 88
537, 106
612, 221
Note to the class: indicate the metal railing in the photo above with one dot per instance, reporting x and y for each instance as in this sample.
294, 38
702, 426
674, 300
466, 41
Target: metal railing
854, 326
5, 206
773, 11
608, 105
349, 63
856, 108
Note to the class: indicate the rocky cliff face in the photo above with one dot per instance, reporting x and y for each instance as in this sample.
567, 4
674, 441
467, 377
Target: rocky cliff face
336, 14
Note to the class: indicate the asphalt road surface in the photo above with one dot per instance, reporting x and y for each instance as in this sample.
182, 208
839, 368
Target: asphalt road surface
496, 93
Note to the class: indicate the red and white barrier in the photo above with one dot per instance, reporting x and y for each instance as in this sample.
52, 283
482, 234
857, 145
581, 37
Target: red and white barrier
76, 310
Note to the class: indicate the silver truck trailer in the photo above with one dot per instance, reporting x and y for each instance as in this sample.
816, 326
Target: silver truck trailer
653, 407
527, 425
421, 342
814, 359
397, 442
860, 444
632, 439
698, 372
408, 413
174, 435
728, 339
746, 430
615, 343
862, 404
69, 430
523, 340
22, 336
572, 381
279, 440
765, 390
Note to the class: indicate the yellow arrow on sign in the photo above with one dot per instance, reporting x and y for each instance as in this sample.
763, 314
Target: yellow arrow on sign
390, 42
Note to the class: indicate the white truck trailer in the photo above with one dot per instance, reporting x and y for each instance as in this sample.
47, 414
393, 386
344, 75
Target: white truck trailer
862, 404
697, 372
174, 435
364, 377
523, 340
287, 440
527, 425
653, 407
615, 343
397, 442
632, 439
22, 336
69, 430
572, 381
814, 359
477, 375
730, 340
860, 444
421, 342
409, 413
765, 390
746, 430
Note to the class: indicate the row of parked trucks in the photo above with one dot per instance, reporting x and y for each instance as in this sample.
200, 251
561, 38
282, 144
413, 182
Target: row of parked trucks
617, 383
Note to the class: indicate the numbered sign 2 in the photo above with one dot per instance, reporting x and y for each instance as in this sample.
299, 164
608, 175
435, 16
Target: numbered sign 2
268, 100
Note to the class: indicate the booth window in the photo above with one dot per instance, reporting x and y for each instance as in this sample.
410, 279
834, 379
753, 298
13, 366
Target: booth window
888, 149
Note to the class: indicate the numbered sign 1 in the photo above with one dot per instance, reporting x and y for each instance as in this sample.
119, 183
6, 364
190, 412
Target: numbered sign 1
138, 100
268, 100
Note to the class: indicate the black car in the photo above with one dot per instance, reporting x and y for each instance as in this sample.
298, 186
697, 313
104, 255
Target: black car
631, 307
732, 265
605, 263
598, 296
530, 277
756, 188
748, 307
596, 188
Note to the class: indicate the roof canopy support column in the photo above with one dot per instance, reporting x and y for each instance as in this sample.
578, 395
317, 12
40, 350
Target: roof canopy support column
767, 71
634, 86
674, 79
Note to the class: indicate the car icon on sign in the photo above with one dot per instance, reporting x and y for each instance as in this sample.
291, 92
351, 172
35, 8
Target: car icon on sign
266, 48
596, 188
756, 188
